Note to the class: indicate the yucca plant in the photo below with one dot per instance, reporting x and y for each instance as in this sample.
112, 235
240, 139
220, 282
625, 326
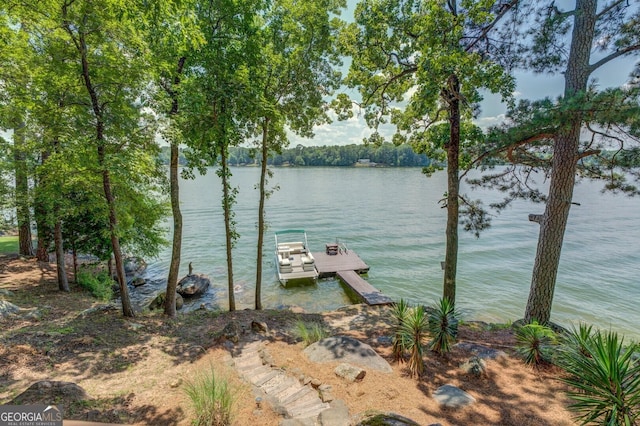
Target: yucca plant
605, 379
413, 334
212, 400
443, 326
534, 342
399, 313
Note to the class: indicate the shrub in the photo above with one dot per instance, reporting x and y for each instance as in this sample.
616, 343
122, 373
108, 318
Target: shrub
399, 313
310, 334
212, 400
99, 284
605, 377
443, 326
413, 334
533, 343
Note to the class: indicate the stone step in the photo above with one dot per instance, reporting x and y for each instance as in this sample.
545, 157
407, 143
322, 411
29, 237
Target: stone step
299, 393
266, 377
285, 385
305, 406
248, 363
257, 373
308, 411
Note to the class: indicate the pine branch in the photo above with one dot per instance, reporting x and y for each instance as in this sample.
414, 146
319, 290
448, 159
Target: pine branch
613, 56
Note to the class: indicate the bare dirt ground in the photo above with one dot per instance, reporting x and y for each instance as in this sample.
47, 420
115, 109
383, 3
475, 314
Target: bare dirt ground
135, 370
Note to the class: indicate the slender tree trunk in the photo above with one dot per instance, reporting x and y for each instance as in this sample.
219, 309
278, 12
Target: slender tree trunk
98, 112
176, 249
227, 224
263, 182
565, 155
40, 211
25, 245
127, 310
453, 187
63, 282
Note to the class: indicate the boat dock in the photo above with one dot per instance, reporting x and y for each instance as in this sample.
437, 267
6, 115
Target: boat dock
348, 266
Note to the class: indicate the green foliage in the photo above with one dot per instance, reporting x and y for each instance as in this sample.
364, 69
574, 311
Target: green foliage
534, 342
413, 334
399, 313
604, 375
212, 399
310, 333
99, 284
443, 326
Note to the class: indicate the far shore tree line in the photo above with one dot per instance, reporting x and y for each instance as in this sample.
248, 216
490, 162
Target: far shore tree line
86, 86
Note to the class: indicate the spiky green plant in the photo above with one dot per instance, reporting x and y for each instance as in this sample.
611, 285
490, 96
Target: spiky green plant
534, 342
212, 400
399, 313
605, 378
579, 339
414, 332
443, 326
310, 333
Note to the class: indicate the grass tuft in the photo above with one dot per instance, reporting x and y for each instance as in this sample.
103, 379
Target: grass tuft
310, 333
99, 284
212, 399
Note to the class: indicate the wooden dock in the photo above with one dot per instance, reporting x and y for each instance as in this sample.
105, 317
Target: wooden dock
364, 291
329, 265
348, 266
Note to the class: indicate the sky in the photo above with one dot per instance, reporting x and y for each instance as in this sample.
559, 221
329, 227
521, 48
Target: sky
529, 86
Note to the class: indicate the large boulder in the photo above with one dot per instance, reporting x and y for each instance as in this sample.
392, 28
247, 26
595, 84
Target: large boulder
349, 350
193, 285
158, 302
134, 265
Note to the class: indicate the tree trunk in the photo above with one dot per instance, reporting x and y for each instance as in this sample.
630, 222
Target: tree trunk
263, 182
227, 224
176, 249
453, 187
172, 279
44, 231
63, 282
563, 170
127, 310
25, 245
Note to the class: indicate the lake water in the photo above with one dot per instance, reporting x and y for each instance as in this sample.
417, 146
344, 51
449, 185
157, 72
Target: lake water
392, 219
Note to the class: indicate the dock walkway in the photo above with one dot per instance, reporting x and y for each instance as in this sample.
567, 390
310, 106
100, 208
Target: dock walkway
365, 291
348, 266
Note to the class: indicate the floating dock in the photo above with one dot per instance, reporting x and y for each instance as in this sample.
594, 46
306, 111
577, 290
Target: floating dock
348, 266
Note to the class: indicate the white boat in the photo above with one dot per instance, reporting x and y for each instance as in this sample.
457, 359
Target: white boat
294, 261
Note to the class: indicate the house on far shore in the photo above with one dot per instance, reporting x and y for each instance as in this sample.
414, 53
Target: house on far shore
365, 162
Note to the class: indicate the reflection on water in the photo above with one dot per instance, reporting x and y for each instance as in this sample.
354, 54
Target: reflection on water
392, 219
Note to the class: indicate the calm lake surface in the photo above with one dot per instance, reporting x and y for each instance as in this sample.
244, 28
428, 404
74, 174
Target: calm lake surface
392, 219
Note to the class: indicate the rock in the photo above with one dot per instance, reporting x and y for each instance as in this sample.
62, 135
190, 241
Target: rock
158, 302
45, 392
480, 351
453, 397
99, 308
336, 415
349, 350
387, 419
8, 308
176, 383
475, 366
134, 265
350, 372
259, 327
193, 285
138, 281
230, 332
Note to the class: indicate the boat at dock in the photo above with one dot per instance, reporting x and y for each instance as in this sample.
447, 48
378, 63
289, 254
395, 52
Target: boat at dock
294, 261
